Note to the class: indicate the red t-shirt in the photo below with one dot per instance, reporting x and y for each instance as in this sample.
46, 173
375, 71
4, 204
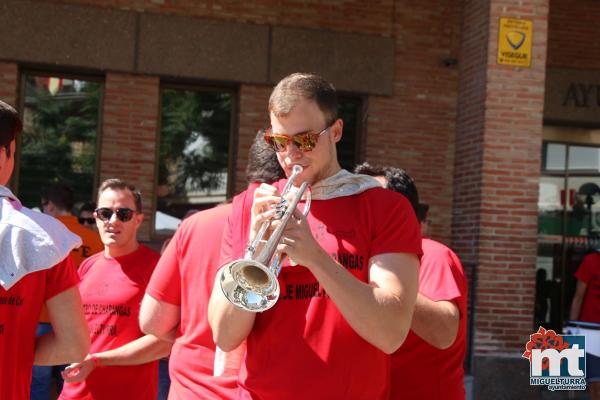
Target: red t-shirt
303, 347
184, 277
112, 290
419, 370
91, 244
589, 273
20, 308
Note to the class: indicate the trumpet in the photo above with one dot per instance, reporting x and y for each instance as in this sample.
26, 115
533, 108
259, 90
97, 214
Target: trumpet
251, 283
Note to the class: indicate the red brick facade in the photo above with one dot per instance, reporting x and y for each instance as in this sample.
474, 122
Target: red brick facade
416, 122
573, 33
467, 129
374, 16
497, 172
9, 78
252, 116
129, 135
414, 128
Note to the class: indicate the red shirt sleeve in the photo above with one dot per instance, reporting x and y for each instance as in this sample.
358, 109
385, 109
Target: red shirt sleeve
237, 228
227, 242
584, 272
396, 227
165, 283
438, 274
61, 277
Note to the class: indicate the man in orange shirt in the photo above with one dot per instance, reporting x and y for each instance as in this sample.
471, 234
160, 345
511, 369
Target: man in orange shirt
57, 201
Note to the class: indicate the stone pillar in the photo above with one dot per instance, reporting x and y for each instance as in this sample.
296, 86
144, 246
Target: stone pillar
496, 178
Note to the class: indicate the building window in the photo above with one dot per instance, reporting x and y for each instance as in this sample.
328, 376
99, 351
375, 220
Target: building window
195, 137
60, 135
348, 149
554, 157
568, 223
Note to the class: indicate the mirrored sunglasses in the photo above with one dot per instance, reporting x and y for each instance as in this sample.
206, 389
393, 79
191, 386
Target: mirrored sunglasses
123, 214
304, 141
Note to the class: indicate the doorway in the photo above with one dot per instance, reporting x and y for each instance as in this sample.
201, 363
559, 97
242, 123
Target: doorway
568, 218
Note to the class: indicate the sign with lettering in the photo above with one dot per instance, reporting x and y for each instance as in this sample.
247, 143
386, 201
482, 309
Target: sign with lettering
514, 42
556, 361
572, 95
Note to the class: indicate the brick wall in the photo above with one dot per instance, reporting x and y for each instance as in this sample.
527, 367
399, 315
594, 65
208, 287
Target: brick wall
253, 115
129, 132
497, 172
473, 145
470, 122
373, 16
414, 128
9, 74
9, 78
573, 32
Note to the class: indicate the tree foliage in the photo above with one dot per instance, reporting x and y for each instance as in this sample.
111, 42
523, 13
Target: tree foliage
194, 144
59, 139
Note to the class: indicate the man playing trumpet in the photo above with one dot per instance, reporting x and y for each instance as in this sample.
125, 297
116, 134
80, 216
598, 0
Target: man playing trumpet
348, 303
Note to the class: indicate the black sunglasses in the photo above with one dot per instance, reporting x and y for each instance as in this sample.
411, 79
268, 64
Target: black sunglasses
84, 221
105, 214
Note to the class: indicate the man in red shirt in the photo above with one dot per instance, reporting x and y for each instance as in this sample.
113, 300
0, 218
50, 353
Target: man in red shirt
21, 301
348, 303
178, 293
586, 302
122, 361
429, 365
586, 307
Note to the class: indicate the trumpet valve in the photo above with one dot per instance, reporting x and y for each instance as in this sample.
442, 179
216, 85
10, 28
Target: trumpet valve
281, 208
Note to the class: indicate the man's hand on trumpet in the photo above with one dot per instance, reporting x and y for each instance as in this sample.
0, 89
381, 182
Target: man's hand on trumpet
266, 197
299, 243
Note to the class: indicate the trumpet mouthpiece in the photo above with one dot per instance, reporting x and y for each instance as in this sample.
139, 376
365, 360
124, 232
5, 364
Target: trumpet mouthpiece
297, 169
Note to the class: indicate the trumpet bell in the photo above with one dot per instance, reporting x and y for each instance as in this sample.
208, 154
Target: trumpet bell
249, 285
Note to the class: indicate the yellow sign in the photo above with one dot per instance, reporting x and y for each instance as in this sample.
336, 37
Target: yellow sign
514, 42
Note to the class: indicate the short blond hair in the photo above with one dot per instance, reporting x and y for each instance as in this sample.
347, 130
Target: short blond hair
304, 86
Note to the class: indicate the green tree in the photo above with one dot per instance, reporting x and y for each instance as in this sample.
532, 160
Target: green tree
194, 144
59, 139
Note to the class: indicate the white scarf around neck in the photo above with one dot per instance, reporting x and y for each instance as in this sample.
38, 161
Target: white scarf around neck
29, 241
342, 184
